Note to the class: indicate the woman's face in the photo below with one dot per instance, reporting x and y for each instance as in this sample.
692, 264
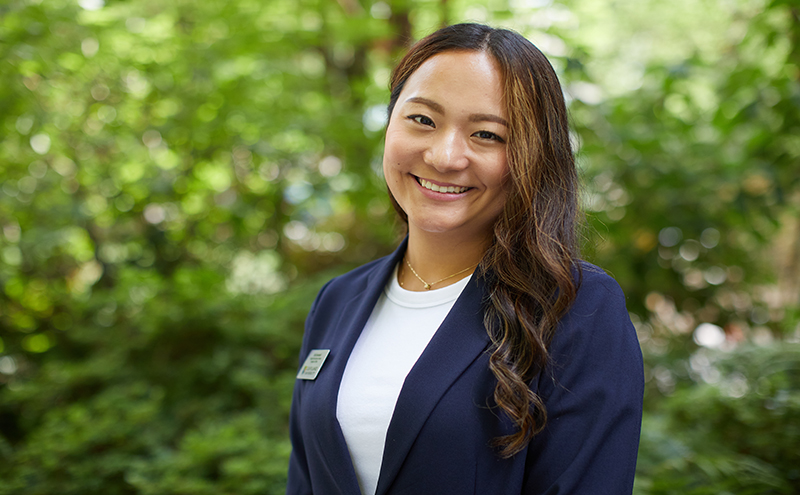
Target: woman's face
445, 154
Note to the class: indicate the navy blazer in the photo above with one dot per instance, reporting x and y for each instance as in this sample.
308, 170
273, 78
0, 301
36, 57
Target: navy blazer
439, 437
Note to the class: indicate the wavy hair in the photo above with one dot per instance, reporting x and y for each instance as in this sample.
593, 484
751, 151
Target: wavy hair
530, 269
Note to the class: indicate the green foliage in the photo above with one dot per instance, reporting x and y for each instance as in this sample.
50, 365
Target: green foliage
734, 432
694, 171
184, 391
179, 178
689, 143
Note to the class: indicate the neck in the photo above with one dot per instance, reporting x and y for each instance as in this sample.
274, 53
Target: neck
436, 256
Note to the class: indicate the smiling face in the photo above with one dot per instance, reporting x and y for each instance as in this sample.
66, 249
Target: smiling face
445, 155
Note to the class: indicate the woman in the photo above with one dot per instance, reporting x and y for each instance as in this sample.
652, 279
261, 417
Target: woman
482, 356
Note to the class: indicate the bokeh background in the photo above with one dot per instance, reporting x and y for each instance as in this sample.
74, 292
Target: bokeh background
179, 178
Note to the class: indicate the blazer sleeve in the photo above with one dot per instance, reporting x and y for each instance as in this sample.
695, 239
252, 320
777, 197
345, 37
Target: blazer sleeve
593, 394
299, 478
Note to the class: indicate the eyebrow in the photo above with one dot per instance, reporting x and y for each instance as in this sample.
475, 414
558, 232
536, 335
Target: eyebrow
475, 117
428, 103
487, 117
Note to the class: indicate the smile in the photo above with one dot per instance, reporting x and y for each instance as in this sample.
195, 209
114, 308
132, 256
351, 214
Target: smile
440, 189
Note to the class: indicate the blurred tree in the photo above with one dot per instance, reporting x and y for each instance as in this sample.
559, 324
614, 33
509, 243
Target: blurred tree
700, 144
168, 171
689, 140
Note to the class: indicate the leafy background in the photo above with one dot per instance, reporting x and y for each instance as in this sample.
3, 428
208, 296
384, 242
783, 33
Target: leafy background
179, 178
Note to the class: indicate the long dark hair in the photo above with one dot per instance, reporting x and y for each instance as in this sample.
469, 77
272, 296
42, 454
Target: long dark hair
530, 268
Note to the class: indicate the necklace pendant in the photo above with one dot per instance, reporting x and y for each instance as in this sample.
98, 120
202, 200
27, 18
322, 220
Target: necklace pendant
427, 286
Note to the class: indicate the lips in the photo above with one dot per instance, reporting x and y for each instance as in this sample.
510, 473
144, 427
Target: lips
441, 189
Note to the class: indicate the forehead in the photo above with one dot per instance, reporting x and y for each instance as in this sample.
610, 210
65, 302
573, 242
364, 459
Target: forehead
468, 79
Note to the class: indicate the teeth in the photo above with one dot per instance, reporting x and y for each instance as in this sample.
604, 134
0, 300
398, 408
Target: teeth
433, 187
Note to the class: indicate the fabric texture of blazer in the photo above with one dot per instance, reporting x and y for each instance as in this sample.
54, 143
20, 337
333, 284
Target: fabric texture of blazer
439, 437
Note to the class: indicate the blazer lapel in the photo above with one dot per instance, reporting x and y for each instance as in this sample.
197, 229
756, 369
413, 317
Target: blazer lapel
347, 329
460, 340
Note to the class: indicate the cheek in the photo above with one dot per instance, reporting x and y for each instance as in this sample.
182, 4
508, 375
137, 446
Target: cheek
395, 158
387, 169
501, 180
500, 175
391, 166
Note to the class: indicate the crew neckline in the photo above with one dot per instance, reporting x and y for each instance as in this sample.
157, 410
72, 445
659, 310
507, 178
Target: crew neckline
423, 299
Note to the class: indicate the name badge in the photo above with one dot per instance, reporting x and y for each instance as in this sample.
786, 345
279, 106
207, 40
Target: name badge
313, 363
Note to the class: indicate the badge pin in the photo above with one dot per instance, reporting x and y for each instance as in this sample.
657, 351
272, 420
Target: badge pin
312, 364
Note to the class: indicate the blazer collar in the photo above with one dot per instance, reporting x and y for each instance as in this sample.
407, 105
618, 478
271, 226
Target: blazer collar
343, 337
458, 342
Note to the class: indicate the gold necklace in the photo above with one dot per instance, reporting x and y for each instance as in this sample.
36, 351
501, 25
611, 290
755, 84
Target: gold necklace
429, 285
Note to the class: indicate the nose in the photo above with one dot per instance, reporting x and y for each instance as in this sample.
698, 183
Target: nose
447, 152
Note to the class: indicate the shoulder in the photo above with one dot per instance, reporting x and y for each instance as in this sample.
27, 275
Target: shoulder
357, 283
362, 273
341, 299
593, 279
593, 393
597, 325
595, 350
354, 281
596, 287
599, 300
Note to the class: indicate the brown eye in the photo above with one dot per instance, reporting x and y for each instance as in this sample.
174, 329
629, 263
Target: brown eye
488, 135
421, 119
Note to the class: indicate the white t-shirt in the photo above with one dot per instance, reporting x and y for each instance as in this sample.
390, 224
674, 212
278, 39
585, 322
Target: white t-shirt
398, 330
